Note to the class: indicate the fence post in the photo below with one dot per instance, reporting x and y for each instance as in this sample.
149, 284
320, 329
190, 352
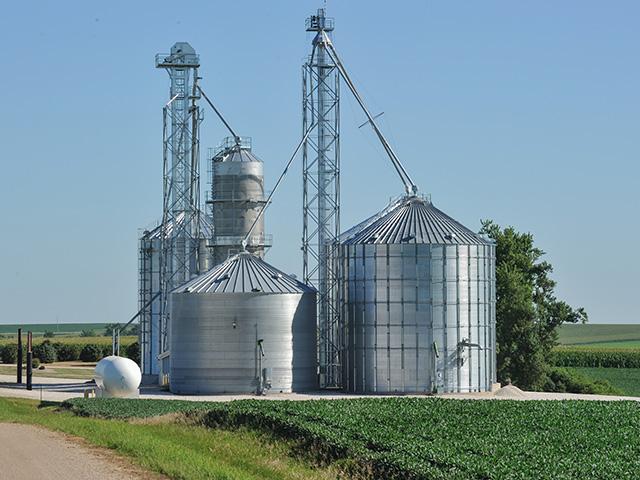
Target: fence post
29, 361
19, 362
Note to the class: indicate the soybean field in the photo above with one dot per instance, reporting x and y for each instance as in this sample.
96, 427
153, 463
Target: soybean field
429, 438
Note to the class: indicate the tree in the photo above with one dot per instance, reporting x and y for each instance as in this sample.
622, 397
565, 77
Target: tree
49, 334
527, 311
133, 330
91, 353
133, 352
45, 352
110, 328
68, 351
88, 333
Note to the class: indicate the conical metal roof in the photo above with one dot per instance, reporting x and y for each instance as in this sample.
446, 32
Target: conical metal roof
237, 154
244, 273
412, 219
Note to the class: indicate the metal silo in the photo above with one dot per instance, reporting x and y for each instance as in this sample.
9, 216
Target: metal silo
149, 288
237, 195
417, 298
242, 321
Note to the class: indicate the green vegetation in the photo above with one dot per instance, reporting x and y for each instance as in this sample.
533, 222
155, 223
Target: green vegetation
39, 329
527, 311
67, 352
45, 352
608, 353
123, 409
131, 330
588, 356
65, 349
100, 340
181, 451
91, 353
626, 380
132, 351
569, 380
51, 371
631, 344
618, 335
9, 354
419, 438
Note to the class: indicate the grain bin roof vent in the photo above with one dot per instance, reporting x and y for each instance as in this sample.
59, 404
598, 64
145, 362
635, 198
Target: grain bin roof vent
230, 151
412, 219
244, 273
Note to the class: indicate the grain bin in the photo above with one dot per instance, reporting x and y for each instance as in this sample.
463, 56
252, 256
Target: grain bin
149, 288
237, 195
417, 301
238, 320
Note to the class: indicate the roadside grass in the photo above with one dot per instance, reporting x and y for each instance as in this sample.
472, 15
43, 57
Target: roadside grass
51, 372
179, 451
618, 335
627, 380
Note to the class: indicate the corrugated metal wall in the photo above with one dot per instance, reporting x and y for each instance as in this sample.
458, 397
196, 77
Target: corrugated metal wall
404, 303
417, 317
214, 341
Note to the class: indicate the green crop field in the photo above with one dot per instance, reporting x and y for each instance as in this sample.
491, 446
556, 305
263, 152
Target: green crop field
614, 335
39, 329
430, 438
627, 380
596, 356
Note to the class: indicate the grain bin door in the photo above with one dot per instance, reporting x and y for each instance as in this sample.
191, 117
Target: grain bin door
424, 361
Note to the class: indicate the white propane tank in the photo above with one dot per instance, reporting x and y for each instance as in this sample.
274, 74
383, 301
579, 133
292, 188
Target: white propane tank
117, 377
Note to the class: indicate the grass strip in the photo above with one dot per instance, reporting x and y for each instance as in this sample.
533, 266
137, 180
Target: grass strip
177, 450
51, 372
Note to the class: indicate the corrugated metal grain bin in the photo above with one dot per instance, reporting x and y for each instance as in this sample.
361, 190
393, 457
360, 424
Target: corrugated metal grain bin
219, 318
417, 299
149, 253
237, 195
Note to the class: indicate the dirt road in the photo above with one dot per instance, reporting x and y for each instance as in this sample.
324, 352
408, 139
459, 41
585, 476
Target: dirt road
30, 452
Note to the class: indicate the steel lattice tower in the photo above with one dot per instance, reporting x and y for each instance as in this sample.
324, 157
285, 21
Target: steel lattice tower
321, 192
181, 178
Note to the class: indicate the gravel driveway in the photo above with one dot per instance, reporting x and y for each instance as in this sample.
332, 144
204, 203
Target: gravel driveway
30, 452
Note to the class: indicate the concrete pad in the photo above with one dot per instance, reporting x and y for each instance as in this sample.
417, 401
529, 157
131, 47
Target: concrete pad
59, 389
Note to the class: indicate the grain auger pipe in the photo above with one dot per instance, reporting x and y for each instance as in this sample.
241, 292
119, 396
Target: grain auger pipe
284, 172
236, 138
115, 334
409, 186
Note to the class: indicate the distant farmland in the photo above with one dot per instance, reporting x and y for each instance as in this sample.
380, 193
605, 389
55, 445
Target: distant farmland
601, 335
38, 329
620, 341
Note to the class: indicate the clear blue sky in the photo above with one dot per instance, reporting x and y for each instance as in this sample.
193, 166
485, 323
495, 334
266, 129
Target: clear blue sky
527, 113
